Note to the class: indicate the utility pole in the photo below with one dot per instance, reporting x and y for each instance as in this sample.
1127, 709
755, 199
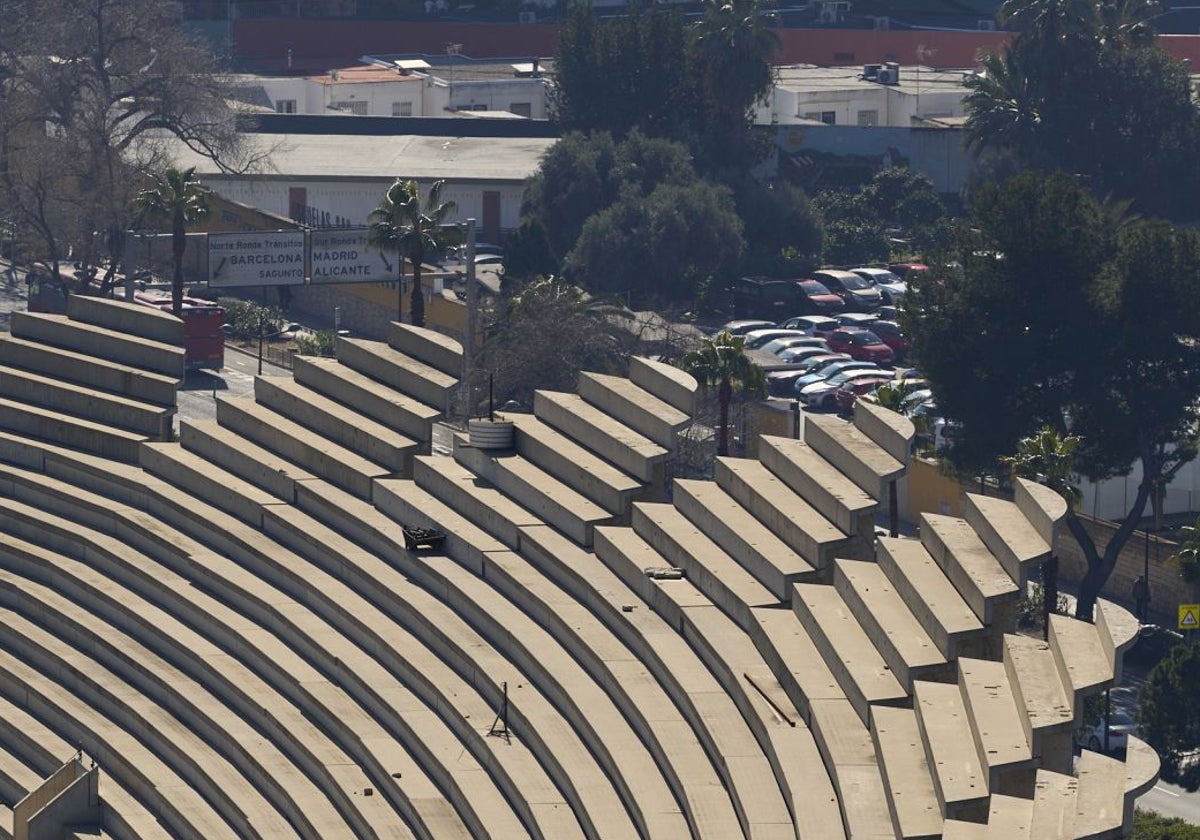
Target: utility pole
472, 306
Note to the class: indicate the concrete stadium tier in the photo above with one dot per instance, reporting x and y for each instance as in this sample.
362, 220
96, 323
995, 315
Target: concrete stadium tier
126, 317
85, 369
579, 646
123, 348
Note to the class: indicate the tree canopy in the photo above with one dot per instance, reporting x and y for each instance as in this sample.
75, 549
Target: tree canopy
1047, 313
1169, 708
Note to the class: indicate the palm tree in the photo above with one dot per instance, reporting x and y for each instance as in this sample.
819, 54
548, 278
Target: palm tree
721, 361
1003, 109
1188, 557
177, 196
401, 225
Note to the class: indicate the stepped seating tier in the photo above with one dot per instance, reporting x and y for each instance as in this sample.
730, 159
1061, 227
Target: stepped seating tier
636, 407
852, 452
85, 402
602, 434
974, 571
306, 448
996, 724
1054, 800
262, 468
73, 432
375, 441
428, 346
123, 348
819, 483
1042, 506
1100, 810
580, 469
1007, 533
83, 369
379, 402
193, 474
911, 797
1082, 664
1046, 708
739, 534
126, 317
793, 520
402, 372
890, 430
960, 780
667, 382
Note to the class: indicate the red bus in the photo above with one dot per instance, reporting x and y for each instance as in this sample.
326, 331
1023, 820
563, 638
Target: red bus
203, 320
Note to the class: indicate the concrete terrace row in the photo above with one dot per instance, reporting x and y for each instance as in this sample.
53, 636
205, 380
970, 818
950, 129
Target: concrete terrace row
101, 378
234, 628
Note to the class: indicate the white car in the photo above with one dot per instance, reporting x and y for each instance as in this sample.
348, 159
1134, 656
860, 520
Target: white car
755, 339
796, 355
820, 394
890, 286
811, 324
1120, 727
778, 345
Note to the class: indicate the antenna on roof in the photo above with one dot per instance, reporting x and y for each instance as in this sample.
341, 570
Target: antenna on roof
451, 51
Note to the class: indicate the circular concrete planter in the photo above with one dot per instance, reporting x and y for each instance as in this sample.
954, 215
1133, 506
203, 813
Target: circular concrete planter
490, 434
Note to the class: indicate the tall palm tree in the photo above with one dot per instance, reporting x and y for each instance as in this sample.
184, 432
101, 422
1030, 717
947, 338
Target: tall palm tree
176, 195
721, 361
402, 225
1003, 107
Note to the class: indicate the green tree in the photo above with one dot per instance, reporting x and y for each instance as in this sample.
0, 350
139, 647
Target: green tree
1188, 556
1150, 825
177, 197
402, 225
1168, 714
573, 182
1044, 315
721, 361
854, 233
782, 229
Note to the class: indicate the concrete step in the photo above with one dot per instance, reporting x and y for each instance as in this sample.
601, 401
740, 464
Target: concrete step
634, 406
83, 369
1007, 533
248, 461
1044, 703
519, 479
85, 402
1100, 808
1141, 769
1118, 629
402, 372
886, 619
847, 650
819, 483
739, 534
583, 471
474, 498
1043, 507
932, 598
198, 477
795, 660
304, 447
960, 830
890, 430
1054, 805
996, 724
801, 526
853, 453
429, 346
1082, 663
382, 403
912, 800
370, 439
603, 434
70, 432
960, 780
16, 777
122, 348
706, 565
667, 382
126, 317
1010, 817
971, 567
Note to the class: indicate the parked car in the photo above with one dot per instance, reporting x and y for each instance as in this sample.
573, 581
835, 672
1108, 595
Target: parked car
892, 336
833, 368
782, 383
845, 396
820, 394
1120, 727
887, 313
814, 363
817, 299
856, 319
891, 287
861, 344
859, 295
906, 270
797, 355
755, 339
778, 345
811, 324
741, 327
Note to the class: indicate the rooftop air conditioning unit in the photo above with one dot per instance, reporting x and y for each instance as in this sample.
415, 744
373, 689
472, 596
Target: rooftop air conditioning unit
871, 71
883, 23
828, 16
887, 76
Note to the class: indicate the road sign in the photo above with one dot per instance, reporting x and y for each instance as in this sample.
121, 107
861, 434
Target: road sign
256, 259
343, 256
1189, 616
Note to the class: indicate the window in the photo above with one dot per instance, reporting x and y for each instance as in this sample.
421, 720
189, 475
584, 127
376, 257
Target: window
827, 117
521, 109
868, 117
285, 106
359, 108
401, 109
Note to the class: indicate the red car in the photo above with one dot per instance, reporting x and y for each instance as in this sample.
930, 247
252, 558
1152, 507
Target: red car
860, 344
845, 396
892, 336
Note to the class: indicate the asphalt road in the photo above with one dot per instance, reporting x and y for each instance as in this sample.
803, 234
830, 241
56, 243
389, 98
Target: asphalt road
198, 394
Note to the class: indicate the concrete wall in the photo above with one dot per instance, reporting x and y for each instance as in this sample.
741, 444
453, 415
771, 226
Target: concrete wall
1167, 589
926, 489
767, 417
368, 309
